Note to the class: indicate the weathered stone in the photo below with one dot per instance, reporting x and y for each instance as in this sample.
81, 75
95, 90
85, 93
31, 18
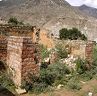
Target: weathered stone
20, 58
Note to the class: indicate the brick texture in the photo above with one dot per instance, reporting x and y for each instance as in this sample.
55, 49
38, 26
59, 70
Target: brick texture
3, 48
21, 58
89, 51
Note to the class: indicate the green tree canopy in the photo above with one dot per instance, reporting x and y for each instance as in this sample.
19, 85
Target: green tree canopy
72, 34
14, 21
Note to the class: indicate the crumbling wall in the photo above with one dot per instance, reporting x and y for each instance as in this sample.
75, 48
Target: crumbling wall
83, 49
3, 48
89, 51
21, 58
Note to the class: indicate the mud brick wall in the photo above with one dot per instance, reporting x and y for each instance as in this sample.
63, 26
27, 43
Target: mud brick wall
29, 58
20, 58
12, 30
74, 47
83, 49
3, 48
89, 51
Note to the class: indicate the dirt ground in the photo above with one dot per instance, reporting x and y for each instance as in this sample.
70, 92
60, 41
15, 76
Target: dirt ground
90, 86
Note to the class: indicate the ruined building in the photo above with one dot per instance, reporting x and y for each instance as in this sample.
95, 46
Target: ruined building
19, 50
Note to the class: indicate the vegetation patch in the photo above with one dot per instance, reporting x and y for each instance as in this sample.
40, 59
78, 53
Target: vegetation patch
72, 34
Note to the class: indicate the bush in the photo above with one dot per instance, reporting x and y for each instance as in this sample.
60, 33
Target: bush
39, 87
59, 69
46, 78
87, 75
73, 85
61, 51
15, 21
6, 82
44, 65
72, 34
44, 52
81, 66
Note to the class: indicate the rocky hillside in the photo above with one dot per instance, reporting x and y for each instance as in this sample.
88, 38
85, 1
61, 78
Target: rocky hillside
51, 15
88, 10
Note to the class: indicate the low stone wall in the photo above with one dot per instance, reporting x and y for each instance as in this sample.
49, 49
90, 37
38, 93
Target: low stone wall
83, 49
21, 58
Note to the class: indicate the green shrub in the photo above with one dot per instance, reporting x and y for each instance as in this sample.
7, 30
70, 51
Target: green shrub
46, 78
74, 85
14, 21
72, 34
61, 51
59, 69
44, 65
39, 87
6, 82
87, 75
44, 52
81, 65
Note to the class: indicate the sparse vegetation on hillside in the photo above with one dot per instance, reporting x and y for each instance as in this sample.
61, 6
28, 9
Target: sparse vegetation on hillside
72, 34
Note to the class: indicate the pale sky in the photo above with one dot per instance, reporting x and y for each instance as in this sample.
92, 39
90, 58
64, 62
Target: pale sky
92, 3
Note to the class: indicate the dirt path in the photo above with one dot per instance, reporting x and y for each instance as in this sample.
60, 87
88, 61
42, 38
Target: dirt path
88, 86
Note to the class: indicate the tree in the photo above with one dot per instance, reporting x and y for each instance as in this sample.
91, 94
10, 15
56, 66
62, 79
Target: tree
63, 33
72, 34
14, 21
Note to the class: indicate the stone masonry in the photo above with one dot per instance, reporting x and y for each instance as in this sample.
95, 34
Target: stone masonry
79, 48
89, 51
21, 58
3, 48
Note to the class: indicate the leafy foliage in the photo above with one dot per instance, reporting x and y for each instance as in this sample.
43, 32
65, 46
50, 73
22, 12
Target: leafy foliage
61, 50
15, 21
44, 51
81, 65
6, 82
72, 34
46, 78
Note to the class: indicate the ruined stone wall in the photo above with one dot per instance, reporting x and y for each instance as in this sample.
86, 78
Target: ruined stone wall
15, 30
30, 59
19, 30
20, 58
3, 48
83, 49
89, 51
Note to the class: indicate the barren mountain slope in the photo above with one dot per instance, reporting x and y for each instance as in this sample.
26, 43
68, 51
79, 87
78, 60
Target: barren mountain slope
88, 10
49, 14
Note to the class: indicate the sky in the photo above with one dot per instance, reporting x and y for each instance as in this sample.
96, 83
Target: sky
91, 3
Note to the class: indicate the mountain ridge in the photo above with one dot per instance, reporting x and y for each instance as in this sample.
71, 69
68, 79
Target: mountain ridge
51, 15
88, 10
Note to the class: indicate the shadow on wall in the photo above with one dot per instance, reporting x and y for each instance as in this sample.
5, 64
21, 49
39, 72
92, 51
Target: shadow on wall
5, 92
2, 66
